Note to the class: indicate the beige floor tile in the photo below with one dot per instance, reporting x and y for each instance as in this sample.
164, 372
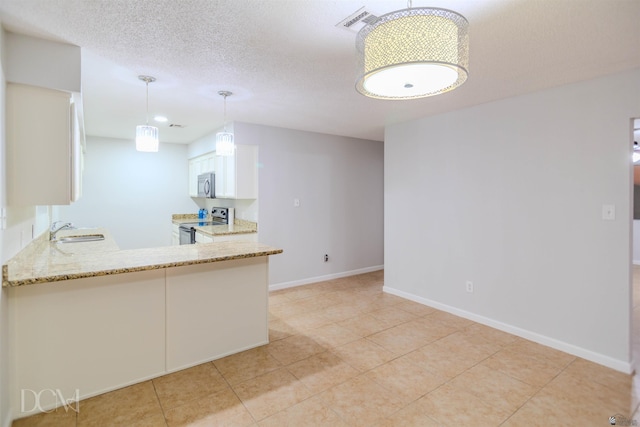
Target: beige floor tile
545, 410
343, 311
451, 407
306, 321
450, 319
438, 358
402, 339
332, 335
405, 380
360, 401
415, 308
532, 368
472, 345
413, 415
392, 316
432, 329
553, 356
181, 387
270, 393
494, 387
279, 329
154, 420
310, 413
222, 409
302, 292
583, 392
322, 371
278, 297
364, 325
246, 365
288, 310
492, 335
614, 380
363, 354
57, 418
120, 407
294, 348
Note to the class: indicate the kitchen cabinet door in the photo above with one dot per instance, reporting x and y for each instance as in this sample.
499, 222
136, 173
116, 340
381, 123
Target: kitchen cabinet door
198, 165
175, 234
44, 146
203, 238
237, 175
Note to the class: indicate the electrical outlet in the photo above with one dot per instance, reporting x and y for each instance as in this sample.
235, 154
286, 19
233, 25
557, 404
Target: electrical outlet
326, 258
469, 286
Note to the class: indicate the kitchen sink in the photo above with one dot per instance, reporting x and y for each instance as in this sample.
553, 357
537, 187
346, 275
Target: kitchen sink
81, 238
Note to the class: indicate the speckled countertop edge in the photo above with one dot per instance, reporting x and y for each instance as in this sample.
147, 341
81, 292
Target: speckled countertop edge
42, 261
240, 226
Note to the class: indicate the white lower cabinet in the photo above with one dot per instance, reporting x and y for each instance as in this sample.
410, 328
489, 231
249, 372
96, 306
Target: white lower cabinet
203, 238
175, 234
216, 309
88, 336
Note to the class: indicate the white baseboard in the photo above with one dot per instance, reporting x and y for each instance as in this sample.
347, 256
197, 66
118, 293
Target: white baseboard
316, 279
618, 365
636, 262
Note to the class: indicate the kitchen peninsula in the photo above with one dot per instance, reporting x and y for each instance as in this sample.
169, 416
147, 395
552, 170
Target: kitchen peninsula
87, 318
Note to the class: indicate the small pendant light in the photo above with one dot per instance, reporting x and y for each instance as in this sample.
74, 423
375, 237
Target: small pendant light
224, 140
147, 136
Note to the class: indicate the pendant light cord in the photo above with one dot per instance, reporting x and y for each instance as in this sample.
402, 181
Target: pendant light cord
225, 112
409, 4
147, 103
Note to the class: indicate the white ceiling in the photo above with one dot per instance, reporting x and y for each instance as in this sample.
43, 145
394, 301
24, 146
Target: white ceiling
289, 66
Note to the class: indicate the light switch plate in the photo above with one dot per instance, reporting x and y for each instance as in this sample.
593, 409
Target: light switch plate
608, 212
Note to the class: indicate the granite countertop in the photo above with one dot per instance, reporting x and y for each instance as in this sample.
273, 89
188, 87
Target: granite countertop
239, 226
43, 261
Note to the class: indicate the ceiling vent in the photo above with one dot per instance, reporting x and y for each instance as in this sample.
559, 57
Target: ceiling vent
357, 20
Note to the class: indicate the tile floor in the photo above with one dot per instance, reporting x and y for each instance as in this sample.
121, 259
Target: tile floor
343, 353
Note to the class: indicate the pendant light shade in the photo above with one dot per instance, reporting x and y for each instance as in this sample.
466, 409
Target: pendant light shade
224, 140
413, 53
147, 136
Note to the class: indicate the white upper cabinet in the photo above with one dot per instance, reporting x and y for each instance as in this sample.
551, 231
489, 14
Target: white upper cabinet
198, 165
44, 146
237, 175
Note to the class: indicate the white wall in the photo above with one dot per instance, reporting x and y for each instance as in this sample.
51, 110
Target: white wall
339, 183
509, 195
636, 242
132, 194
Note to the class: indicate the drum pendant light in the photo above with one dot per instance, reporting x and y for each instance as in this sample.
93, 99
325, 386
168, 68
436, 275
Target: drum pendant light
413, 53
224, 140
147, 136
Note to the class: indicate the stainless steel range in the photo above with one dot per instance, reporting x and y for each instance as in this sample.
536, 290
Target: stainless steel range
219, 216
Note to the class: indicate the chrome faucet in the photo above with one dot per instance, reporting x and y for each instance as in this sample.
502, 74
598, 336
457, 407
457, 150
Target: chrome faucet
55, 228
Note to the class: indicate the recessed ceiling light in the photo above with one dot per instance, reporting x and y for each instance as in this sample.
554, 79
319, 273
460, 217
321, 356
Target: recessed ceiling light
160, 119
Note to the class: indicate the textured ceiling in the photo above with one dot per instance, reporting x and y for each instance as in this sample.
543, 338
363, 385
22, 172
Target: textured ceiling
289, 66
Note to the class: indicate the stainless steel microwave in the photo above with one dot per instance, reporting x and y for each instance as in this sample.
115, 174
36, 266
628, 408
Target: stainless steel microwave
207, 185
